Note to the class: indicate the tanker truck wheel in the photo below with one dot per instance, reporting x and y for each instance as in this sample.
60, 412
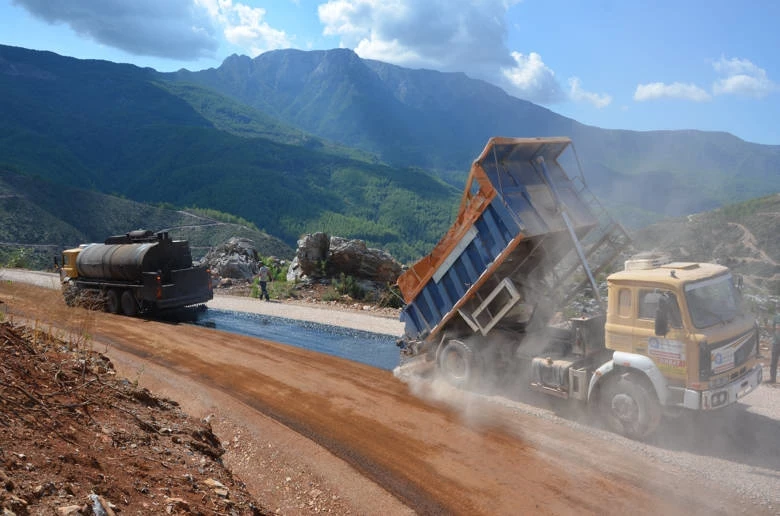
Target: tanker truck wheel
629, 407
112, 301
71, 295
129, 306
459, 364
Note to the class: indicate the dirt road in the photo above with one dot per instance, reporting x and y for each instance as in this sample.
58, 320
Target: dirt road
301, 427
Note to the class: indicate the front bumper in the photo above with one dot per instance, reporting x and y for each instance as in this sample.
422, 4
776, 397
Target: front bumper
726, 395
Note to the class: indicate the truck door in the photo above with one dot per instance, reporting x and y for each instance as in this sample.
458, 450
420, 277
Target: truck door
667, 351
619, 330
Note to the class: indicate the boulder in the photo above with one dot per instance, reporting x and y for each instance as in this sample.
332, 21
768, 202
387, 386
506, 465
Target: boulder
321, 256
293, 272
353, 258
237, 259
312, 254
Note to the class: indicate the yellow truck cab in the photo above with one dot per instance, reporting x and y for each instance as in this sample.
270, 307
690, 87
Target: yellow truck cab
682, 324
69, 269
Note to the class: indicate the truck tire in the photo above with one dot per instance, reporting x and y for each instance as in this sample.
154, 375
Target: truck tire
129, 306
71, 295
629, 407
459, 364
112, 301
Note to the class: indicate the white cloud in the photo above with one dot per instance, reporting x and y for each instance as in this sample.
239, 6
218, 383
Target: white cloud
738, 77
433, 33
532, 79
577, 94
741, 77
243, 26
676, 90
176, 29
448, 35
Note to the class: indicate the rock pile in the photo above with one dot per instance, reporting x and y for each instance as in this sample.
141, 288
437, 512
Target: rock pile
235, 259
320, 256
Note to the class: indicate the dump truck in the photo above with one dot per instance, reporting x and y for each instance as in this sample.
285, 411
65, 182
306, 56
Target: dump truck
494, 299
139, 272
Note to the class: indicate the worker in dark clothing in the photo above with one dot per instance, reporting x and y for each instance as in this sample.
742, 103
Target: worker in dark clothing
263, 276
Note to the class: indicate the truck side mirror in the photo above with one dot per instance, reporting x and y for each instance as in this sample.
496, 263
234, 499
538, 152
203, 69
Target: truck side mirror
662, 318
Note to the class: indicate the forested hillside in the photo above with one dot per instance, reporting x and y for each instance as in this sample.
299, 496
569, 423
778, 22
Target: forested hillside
38, 219
117, 129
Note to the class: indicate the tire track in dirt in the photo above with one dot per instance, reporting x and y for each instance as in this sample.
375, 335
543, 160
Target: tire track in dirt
433, 466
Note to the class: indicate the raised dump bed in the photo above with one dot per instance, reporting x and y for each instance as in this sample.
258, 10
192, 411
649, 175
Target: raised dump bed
486, 307
515, 223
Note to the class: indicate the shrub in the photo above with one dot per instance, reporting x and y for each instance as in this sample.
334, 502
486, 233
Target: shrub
331, 294
19, 259
277, 289
391, 298
281, 289
347, 285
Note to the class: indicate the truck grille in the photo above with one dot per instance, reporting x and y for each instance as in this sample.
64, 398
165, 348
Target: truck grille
741, 355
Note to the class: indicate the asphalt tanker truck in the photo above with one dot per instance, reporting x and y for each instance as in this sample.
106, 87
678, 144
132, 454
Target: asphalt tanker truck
139, 272
494, 298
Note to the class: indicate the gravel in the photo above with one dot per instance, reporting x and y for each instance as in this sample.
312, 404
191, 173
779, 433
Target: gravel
736, 448
355, 319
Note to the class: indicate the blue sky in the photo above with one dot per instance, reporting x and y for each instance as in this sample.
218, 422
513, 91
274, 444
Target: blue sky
620, 64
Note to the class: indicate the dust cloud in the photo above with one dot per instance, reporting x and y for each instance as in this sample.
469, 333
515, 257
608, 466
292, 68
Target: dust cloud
484, 403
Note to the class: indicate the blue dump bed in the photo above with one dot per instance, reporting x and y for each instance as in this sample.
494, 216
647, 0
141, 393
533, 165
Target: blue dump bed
518, 218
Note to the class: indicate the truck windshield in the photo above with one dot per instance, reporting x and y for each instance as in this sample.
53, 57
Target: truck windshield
712, 301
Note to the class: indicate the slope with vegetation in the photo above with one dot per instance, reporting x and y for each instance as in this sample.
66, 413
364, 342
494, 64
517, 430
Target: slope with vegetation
119, 129
742, 236
39, 218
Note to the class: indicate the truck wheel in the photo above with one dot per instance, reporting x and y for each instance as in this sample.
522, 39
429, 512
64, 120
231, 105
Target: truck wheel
112, 301
129, 306
459, 364
71, 295
630, 408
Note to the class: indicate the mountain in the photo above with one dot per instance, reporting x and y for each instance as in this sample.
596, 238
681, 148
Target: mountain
441, 121
123, 130
408, 117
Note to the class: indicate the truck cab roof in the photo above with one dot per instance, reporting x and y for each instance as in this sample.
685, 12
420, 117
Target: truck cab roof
671, 274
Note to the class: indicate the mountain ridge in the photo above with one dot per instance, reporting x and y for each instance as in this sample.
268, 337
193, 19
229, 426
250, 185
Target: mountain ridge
441, 120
